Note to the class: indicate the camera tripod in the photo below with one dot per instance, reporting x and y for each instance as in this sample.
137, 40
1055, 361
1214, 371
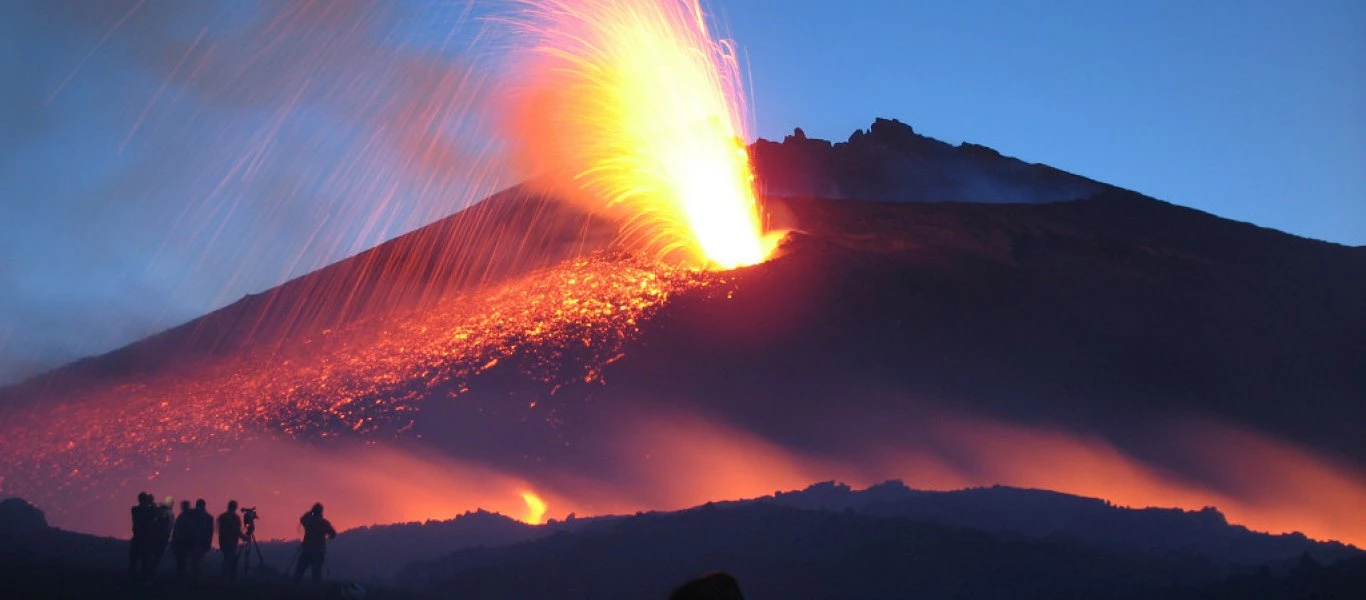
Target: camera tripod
248, 548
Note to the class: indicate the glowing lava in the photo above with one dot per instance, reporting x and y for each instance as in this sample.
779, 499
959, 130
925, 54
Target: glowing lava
633, 107
560, 325
535, 508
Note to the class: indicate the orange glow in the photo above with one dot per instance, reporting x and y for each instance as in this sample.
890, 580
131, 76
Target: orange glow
1254, 480
668, 458
366, 485
363, 380
677, 460
634, 108
211, 430
535, 508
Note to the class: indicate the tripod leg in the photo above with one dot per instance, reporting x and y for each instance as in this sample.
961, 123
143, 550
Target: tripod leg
246, 554
290, 567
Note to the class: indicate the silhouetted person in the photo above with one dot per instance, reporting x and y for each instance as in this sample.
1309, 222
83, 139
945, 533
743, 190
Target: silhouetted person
203, 539
183, 537
313, 551
161, 537
229, 534
717, 586
141, 547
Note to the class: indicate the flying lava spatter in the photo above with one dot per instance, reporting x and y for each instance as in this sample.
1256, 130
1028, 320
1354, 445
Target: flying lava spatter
628, 108
635, 105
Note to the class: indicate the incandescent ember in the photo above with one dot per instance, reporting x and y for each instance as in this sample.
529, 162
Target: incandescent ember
367, 379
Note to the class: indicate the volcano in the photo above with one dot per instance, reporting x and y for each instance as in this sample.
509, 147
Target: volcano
940, 314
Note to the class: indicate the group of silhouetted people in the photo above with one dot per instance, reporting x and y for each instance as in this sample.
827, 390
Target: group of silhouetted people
190, 534
152, 524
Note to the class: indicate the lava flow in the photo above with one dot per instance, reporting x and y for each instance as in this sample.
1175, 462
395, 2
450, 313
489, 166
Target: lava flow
627, 108
559, 326
635, 105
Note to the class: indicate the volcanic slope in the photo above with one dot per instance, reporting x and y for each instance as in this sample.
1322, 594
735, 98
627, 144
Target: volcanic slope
507, 235
1113, 346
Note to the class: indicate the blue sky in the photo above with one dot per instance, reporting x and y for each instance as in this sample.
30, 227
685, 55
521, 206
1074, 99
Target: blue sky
1251, 110
203, 151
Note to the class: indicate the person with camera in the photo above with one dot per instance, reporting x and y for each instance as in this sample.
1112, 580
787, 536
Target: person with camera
229, 535
312, 552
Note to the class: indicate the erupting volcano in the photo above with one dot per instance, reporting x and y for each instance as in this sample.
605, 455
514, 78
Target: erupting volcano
629, 111
632, 328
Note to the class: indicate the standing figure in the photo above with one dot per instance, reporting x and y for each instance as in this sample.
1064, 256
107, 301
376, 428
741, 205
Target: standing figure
183, 539
313, 551
229, 534
203, 537
161, 535
144, 534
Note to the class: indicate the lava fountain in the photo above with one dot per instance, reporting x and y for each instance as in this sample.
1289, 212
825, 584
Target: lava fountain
633, 107
535, 508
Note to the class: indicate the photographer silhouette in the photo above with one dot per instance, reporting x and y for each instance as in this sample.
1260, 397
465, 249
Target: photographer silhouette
229, 535
312, 552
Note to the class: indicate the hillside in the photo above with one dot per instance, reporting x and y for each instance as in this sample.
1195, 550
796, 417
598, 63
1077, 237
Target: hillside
781, 552
1113, 346
824, 541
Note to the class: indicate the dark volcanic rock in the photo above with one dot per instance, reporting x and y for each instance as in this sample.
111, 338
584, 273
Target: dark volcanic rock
16, 515
1087, 522
780, 552
891, 162
377, 553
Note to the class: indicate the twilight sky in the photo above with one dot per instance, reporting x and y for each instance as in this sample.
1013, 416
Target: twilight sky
160, 158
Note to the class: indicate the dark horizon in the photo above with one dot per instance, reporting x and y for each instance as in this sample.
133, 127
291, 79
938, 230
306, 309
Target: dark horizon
137, 119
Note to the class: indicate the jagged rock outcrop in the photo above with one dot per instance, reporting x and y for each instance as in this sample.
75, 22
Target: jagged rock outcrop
17, 515
891, 162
